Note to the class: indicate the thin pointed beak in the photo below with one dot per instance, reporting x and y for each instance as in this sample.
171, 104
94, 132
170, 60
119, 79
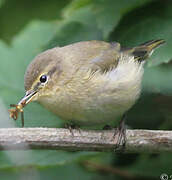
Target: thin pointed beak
22, 103
27, 98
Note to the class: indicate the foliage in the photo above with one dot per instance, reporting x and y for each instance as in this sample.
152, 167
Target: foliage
30, 27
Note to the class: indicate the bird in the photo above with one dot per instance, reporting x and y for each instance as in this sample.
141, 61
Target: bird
87, 83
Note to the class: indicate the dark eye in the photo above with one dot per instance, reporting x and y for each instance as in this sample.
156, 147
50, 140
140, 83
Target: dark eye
43, 78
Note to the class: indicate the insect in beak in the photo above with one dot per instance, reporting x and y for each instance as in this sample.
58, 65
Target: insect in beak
19, 107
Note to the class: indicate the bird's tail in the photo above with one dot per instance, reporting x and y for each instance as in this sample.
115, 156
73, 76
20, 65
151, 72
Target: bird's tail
145, 50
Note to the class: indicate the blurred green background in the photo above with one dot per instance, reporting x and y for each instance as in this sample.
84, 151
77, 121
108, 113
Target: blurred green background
30, 27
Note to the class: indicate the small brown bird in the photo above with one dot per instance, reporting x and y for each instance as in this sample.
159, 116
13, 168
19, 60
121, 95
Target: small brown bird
88, 83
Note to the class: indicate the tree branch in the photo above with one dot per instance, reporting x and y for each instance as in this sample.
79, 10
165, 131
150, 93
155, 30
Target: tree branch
148, 141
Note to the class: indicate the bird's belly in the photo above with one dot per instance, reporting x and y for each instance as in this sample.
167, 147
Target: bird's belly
99, 99
94, 112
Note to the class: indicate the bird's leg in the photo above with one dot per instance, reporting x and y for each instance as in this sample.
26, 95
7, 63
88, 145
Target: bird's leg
77, 127
120, 133
71, 127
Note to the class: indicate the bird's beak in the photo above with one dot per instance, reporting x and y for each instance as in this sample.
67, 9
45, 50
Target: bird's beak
22, 103
27, 98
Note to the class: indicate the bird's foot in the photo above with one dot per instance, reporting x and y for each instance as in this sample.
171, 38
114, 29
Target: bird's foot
120, 134
72, 127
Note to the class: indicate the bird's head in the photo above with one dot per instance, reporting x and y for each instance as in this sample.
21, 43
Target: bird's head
40, 77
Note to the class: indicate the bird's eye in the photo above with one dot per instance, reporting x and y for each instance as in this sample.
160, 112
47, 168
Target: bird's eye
43, 78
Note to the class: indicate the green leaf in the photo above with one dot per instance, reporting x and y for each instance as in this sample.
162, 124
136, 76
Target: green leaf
70, 171
60, 165
76, 27
39, 158
16, 14
153, 21
2, 2
157, 79
74, 6
87, 20
109, 12
5, 121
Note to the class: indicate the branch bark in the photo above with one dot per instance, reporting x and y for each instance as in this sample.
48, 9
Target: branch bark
149, 141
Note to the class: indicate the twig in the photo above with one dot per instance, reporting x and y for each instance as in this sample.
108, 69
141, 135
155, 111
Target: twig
147, 141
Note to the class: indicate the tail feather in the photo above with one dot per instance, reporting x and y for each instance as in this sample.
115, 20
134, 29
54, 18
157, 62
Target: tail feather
143, 51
